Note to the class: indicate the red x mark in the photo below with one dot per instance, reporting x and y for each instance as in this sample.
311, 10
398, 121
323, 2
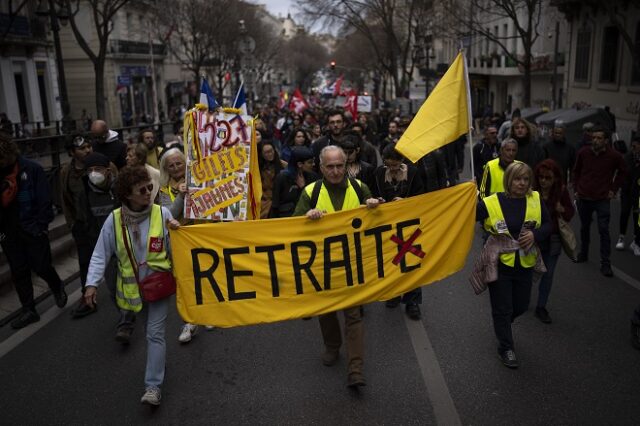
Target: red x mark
406, 246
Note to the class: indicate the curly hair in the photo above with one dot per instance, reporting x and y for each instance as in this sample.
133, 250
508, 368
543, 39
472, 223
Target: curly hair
128, 177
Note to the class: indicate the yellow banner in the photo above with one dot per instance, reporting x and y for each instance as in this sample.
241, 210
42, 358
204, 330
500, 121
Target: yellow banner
241, 273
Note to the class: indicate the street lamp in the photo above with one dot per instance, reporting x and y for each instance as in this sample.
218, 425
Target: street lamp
55, 17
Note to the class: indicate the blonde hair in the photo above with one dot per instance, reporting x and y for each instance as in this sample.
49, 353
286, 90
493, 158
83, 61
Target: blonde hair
514, 170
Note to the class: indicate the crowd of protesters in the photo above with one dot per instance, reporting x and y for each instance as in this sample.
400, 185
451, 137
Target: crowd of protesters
527, 187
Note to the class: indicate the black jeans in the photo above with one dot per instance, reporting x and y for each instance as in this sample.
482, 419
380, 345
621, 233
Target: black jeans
84, 245
26, 253
510, 296
602, 209
629, 207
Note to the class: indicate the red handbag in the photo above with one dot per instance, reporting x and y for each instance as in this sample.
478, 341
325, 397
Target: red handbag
156, 286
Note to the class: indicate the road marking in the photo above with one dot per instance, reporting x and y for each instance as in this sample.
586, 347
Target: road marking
626, 278
23, 334
443, 407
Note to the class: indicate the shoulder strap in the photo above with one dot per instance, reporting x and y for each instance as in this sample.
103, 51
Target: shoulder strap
315, 194
125, 238
358, 189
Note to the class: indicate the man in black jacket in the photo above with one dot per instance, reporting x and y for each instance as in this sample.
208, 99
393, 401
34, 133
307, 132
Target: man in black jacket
336, 127
562, 152
24, 226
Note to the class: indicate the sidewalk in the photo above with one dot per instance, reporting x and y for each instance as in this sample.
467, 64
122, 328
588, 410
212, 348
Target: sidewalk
65, 263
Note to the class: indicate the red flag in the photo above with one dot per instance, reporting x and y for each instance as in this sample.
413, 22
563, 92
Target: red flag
337, 85
298, 104
351, 104
282, 99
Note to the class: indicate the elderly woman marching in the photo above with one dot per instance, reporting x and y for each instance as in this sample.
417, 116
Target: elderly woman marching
172, 191
517, 220
137, 235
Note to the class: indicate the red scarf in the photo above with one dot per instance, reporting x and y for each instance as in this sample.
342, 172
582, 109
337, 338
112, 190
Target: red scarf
10, 186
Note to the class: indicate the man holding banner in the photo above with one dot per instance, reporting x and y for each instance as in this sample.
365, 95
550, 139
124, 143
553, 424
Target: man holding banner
335, 193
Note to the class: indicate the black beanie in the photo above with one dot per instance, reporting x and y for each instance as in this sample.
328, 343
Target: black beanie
96, 159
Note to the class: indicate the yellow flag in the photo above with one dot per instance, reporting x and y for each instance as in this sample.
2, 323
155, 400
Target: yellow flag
255, 183
441, 119
260, 271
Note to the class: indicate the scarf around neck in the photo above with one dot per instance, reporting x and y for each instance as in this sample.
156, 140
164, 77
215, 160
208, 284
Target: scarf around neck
132, 219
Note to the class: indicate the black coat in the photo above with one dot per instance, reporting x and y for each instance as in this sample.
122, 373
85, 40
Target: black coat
286, 193
433, 171
412, 186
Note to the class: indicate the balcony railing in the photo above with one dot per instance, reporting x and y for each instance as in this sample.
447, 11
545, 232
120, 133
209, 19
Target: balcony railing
135, 47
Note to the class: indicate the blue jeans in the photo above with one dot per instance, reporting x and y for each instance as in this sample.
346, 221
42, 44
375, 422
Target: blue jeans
544, 288
156, 344
510, 296
602, 208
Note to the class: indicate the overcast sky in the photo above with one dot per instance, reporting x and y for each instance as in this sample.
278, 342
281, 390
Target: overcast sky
278, 7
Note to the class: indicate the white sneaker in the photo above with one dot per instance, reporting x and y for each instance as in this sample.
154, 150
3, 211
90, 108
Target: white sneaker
635, 248
151, 396
620, 243
188, 331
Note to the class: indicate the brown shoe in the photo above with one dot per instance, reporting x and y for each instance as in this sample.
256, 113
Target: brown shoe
355, 380
330, 357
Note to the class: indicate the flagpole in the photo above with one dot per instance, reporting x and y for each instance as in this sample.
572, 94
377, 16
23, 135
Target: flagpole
469, 113
237, 94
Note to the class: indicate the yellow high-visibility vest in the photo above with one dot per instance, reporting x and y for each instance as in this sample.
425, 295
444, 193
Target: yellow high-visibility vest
127, 292
494, 169
496, 221
351, 200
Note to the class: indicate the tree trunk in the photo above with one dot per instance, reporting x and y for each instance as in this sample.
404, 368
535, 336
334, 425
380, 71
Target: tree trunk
527, 74
98, 67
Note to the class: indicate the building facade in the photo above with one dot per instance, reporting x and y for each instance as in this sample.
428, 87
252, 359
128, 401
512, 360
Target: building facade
28, 76
601, 71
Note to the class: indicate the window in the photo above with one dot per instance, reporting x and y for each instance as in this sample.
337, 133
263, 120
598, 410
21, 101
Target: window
635, 70
583, 51
609, 56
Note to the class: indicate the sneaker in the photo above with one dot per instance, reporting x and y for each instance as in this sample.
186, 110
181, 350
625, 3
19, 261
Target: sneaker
123, 335
635, 248
61, 297
82, 310
330, 357
543, 315
413, 311
620, 243
26, 317
151, 396
188, 331
392, 303
605, 269
509, 359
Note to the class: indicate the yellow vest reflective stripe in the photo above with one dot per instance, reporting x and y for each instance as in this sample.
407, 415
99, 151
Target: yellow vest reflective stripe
533, 212
497, 177
351, 200
127, 292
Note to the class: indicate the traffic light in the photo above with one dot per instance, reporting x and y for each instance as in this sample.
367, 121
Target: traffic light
333, 65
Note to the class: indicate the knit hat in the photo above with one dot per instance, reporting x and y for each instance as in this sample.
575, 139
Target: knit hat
300, 154
96, 159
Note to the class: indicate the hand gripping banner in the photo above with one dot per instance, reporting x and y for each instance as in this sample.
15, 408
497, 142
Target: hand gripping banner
241, 273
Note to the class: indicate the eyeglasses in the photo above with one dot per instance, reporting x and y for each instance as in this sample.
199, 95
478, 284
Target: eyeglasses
145, 189
349, 151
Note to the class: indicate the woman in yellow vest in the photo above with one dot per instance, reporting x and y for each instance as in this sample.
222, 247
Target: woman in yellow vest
143, 224
517, 214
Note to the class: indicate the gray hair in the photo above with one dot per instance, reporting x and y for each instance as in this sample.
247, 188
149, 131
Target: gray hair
331, 148
508, 140
164, 175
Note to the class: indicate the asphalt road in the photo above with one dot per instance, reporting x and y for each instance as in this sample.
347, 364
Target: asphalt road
578, 370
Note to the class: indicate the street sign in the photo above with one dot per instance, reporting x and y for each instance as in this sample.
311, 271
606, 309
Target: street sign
124, 80
133, 70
